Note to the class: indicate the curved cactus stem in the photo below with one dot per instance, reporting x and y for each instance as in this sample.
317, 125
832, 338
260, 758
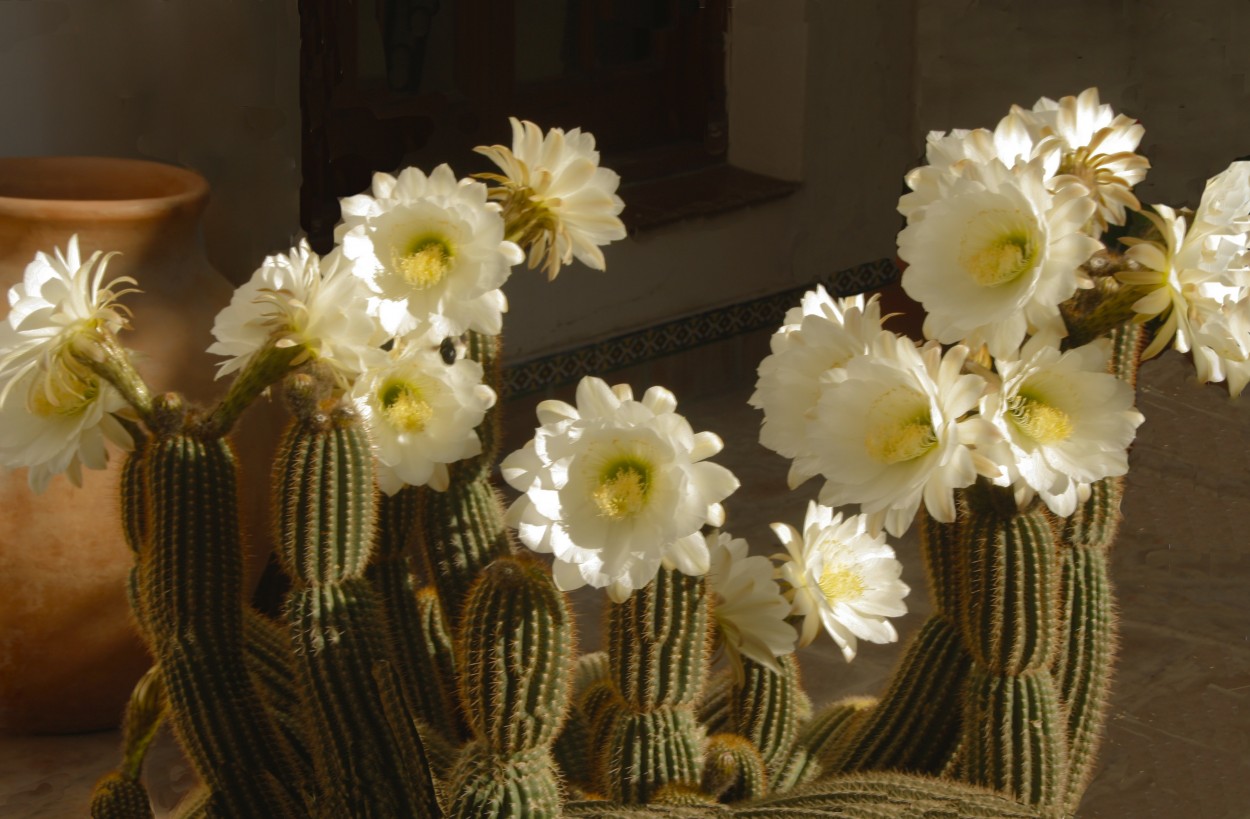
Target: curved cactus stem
486, 783
767, 707
575, 747
715, 709
121, 795
643, 751
658, 642
190, 585
917, 722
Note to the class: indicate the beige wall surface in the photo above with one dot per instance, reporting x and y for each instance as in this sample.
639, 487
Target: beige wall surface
837, 95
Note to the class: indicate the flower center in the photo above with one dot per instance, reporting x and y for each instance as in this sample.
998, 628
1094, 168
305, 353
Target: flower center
405, 406
904, 430
1003, 259
425, 262
624, 485
839, 583
1044, 423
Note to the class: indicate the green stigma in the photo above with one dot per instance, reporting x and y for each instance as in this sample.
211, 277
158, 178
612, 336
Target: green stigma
623, 487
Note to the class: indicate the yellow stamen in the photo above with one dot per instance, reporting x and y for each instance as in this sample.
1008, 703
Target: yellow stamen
425, 262
405, 407
623, 488
1003, 260
899, 436
1044, 423
840, 583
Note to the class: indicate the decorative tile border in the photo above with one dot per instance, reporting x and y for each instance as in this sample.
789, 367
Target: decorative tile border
681, 334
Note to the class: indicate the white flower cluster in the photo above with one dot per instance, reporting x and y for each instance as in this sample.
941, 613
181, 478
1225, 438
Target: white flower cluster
417, 259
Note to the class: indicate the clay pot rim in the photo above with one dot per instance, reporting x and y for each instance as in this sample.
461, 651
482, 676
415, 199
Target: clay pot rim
98, 187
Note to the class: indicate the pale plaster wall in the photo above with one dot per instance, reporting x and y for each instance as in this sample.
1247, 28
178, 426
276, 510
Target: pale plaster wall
835, 94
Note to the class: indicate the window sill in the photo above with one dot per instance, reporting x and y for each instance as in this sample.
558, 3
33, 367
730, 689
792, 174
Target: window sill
702, 192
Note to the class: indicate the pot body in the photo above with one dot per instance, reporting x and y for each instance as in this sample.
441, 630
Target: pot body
69, 652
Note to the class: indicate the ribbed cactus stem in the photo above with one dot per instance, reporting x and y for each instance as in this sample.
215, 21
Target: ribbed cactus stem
325, 491
1009, 581
425, 656
144, 714
407, 739
515, 652
462, 530
767, 705
657, 657
939, 549
658, 642
715, 710
190, 584
1019, 745
1013, 737
271, 663
575, 747
733, 769
1088, 653
917, 722
888, 796
516, 656
643, 751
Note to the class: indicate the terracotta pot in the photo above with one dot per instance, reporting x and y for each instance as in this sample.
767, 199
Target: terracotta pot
68, 650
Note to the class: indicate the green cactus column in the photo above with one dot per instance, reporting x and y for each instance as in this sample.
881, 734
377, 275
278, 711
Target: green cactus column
768, 706
425, 656
1013, 738
916, 725
190, 598
657, 656
325, 491
516, 656
462, 530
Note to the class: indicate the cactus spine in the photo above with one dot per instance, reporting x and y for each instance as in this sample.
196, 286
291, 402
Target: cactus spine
516, 655
657, 656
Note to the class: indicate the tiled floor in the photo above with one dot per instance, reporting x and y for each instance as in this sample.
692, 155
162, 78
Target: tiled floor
1178, 738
